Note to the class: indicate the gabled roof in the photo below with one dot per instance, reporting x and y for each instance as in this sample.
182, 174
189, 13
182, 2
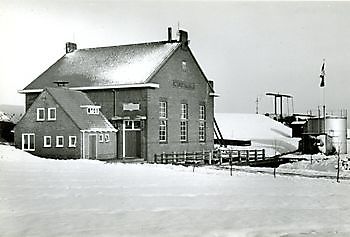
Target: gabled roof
107, 66
70, 101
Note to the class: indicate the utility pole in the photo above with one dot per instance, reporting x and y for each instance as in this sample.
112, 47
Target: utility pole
257, 105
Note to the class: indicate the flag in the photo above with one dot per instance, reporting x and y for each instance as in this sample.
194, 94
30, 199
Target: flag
322, 74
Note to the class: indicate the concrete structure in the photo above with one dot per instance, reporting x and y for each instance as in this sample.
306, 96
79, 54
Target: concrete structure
155, 94
65, 124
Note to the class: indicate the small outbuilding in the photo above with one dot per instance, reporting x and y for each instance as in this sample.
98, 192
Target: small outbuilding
65, 124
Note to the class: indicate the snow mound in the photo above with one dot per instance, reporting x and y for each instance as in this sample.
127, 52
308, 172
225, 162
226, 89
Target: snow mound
264, 132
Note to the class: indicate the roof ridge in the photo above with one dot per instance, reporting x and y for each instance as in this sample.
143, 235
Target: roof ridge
144, 43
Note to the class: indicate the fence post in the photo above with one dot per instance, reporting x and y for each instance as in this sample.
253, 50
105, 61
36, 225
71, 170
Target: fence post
174, 157
220, 156
247, 157
162, 157
230, 154
155, 158
338, 170
185, 156
239, 156
256, 155
210, 156
263, 154
203, 156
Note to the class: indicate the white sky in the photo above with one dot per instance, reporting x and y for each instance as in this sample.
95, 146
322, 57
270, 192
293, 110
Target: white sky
247, 48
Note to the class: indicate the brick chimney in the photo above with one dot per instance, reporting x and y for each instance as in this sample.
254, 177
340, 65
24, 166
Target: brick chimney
183, 38
169, 34
71, 47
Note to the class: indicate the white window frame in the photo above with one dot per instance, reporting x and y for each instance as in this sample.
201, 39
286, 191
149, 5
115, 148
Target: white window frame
163, 109
107, 138
100, 138
29, 139
45, 141
71, 143
38, 113
163, 126
183, 131
202, 112
202, 132
49, 115
184, 111
57, 139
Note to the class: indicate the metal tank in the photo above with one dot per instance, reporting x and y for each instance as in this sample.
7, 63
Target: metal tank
336, 127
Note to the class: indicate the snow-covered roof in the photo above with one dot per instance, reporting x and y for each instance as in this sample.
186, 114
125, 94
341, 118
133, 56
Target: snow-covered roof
264, 132
107, 66
4, 117
70, 101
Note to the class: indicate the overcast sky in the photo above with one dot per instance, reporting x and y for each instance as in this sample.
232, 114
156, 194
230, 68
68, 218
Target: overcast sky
246, 48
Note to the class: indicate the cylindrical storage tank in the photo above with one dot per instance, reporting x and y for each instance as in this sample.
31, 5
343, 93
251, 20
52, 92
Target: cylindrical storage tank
337, 129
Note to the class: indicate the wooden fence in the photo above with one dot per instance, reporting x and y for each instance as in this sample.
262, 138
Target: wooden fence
185, 158
219, 156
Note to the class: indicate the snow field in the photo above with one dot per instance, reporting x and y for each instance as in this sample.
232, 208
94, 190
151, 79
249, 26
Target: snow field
42, 197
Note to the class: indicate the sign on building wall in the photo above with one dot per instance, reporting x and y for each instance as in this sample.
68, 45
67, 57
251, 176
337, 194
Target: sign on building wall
131, 107
183, 84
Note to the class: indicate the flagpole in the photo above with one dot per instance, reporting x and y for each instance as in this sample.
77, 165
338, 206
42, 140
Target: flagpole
324, 105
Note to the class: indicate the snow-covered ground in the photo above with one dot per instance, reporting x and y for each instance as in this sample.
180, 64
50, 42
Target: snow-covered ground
42, 197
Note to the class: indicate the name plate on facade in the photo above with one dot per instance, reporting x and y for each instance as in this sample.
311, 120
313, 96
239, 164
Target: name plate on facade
131, 107
183, 85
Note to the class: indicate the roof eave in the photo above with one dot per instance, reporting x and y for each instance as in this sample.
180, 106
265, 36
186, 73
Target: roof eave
124, 86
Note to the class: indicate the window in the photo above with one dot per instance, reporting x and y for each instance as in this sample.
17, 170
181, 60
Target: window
184, 111
106, 137
183, 131
184, 66
128, 124
163, 115
47, 141
201, 131
59, 141
202, 123
202, 112
184, 123
28, 141
40, 114
52, 113
93, 110
100, 138
132, 125
72, 141
163, 109
163, 131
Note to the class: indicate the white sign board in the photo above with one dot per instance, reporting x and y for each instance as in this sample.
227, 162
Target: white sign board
131, 107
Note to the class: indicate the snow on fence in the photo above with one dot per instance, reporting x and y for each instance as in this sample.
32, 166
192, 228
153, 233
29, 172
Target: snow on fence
238, 157
185, 158
219, 156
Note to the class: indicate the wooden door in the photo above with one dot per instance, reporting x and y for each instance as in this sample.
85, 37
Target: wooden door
93, 146
133, 144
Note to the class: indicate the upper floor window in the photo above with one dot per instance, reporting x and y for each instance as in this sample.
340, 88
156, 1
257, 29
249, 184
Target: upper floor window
40, 114
202, 112
184, 65
93, 110
107, 137
163, 109
51, 114
184, 111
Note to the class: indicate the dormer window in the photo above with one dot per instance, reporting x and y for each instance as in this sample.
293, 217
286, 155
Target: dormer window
51, 113
91, 109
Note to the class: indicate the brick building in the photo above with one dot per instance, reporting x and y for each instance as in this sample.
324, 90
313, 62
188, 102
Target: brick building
155, 94
65, 124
